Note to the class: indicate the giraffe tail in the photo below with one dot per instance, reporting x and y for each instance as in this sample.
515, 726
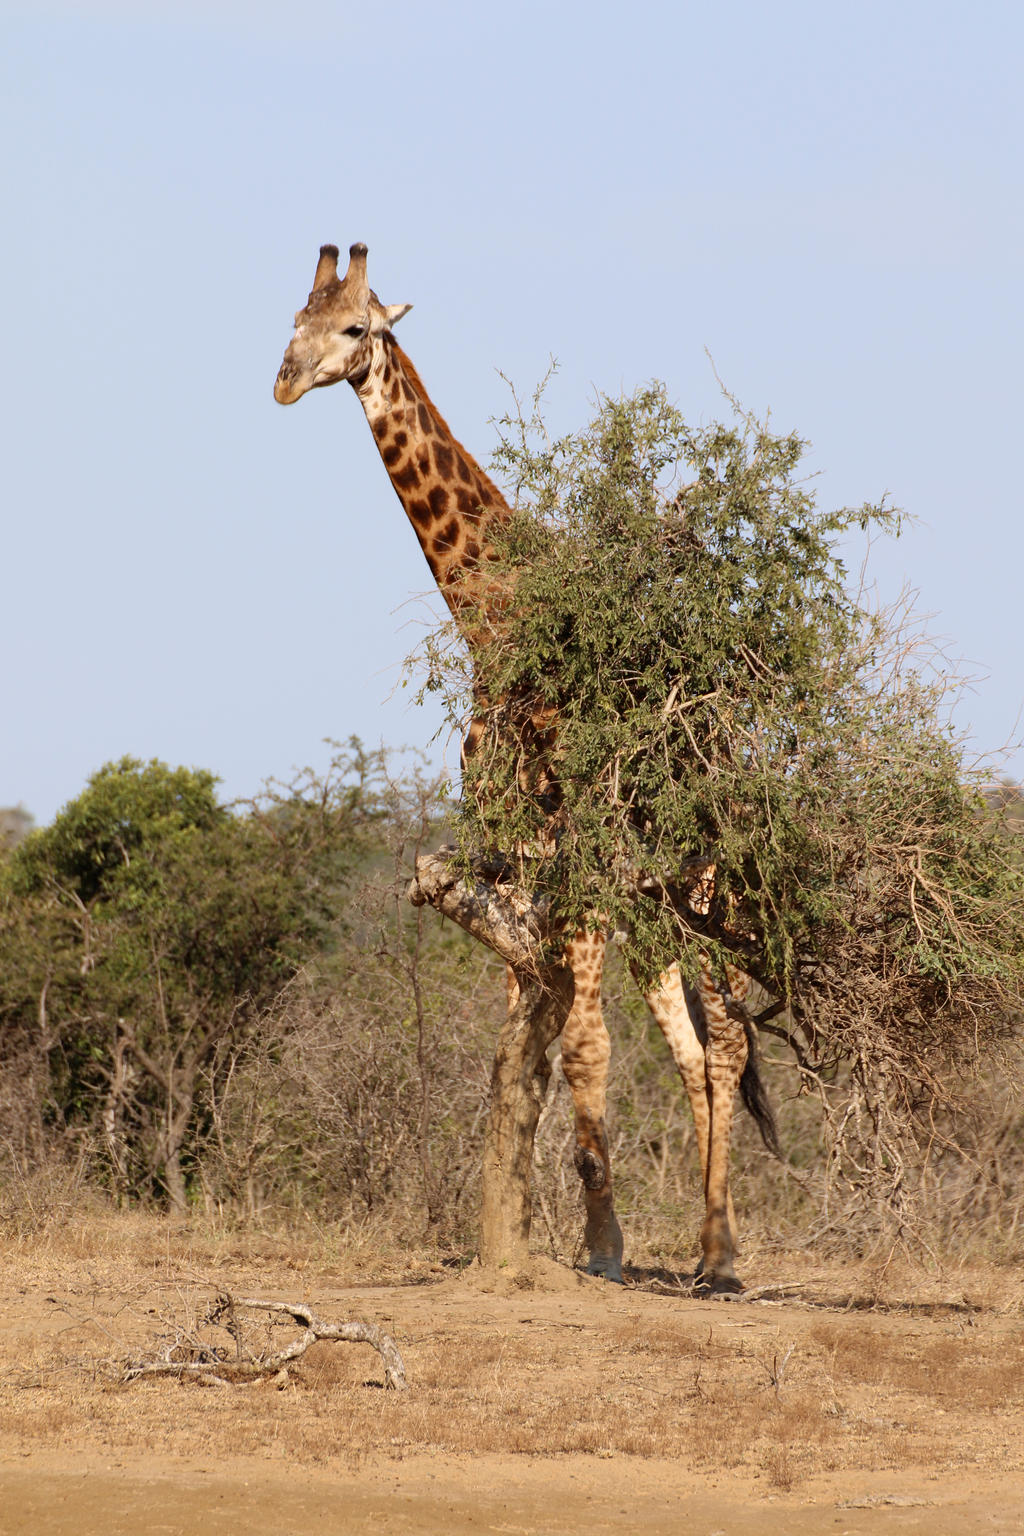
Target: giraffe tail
755, 1095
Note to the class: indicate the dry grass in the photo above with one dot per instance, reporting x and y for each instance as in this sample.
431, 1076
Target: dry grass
558, 1367
970, 1369
79, 1229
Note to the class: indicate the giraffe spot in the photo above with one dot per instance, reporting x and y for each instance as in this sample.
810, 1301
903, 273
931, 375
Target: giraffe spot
590, 1168
447, 537
401, 439
396, 390
443, 460
438, 499
407, 390
426, 425
471, 552
462, 469
390, 453
406, 479
420, 513
468, 503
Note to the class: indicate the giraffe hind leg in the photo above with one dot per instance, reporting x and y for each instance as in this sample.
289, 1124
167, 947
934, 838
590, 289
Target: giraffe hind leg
677, 1011
726, 1058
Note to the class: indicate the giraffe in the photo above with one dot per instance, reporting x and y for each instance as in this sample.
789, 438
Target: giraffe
344, 332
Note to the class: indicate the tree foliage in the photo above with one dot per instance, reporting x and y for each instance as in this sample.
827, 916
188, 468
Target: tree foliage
683, 706
148, 924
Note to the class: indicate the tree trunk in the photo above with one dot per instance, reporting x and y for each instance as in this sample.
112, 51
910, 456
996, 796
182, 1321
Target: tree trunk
518, 1083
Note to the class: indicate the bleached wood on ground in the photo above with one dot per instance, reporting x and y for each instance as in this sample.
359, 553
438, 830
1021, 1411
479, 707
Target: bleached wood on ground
212, 1362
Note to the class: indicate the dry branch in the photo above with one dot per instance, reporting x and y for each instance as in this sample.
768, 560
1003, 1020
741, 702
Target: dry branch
488, 905
211, 1361
484, 897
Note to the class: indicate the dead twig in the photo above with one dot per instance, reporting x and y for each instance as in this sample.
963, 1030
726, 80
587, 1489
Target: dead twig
201, 1361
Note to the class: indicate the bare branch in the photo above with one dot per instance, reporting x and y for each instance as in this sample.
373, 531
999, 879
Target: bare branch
247, 1365
490, 908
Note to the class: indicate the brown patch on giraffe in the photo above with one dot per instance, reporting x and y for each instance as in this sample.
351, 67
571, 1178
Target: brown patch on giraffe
420, 513
447, 538
468, 504
438, 499
444, 491
592, 1171
407, 478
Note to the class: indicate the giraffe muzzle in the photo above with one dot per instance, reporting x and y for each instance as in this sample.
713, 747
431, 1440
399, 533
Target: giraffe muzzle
289, 386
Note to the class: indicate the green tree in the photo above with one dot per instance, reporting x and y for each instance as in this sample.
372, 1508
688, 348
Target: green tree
682, 681
150, 923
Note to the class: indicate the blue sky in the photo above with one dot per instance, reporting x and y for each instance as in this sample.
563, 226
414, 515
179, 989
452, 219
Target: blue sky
827, 199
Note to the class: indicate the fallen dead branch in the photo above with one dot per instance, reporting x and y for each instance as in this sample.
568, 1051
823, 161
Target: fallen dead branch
189, 1355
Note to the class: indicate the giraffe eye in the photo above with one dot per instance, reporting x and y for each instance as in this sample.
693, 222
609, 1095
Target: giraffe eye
355, 330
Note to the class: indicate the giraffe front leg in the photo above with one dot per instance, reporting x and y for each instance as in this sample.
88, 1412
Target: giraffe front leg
586, 1049
726, 1056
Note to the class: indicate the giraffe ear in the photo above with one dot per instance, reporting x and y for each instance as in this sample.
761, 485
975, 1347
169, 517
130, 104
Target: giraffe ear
394, 312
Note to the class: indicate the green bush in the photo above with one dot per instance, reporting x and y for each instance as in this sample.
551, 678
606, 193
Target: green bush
677, 680
148, 925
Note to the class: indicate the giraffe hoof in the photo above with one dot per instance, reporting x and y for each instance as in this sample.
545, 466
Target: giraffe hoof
590, 1168
716, 1285
606, 1268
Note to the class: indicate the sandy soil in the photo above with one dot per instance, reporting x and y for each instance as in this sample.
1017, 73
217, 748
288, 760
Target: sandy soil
538, 1403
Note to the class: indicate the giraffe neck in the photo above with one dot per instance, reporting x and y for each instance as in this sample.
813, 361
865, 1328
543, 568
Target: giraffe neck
447, 497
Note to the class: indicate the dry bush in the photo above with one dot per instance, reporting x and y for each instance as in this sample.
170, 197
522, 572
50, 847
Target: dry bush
363, 1094
354, 1120
354, 1115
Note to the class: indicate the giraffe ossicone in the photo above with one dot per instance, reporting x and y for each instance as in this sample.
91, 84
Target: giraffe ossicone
345, 333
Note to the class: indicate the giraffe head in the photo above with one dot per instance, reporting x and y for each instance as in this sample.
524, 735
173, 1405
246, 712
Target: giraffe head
336, 333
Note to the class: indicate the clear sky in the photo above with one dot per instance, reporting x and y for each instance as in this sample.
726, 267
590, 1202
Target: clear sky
826, 198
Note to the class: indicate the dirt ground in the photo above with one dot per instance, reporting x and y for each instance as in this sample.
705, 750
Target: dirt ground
827, 1400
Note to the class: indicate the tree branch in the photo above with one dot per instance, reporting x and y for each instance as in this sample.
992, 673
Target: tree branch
489, 906
211, 1361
